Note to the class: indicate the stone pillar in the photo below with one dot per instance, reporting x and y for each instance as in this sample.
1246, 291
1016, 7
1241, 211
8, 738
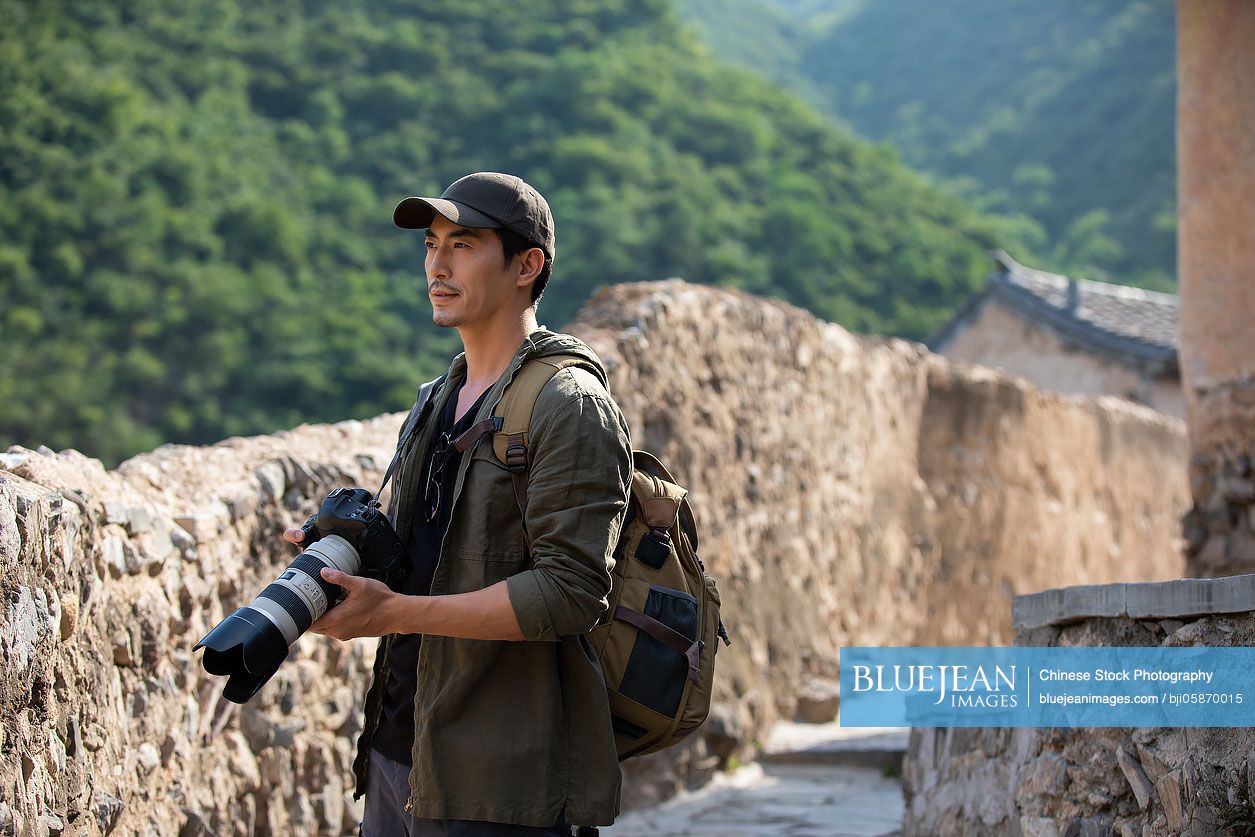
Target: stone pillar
1216, 235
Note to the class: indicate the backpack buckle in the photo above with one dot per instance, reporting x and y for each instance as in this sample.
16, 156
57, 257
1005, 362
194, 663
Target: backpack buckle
516, 458
693, 656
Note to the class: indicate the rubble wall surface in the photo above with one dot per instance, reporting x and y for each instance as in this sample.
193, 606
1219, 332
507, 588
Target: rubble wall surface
110, 577
1130, 782
848, 492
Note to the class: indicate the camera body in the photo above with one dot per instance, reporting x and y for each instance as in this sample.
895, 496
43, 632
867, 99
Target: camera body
352, 514
348, 533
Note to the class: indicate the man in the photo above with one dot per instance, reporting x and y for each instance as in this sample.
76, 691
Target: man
487, 713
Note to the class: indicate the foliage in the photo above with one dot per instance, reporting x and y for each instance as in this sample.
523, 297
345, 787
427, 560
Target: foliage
195, 234
1061, 110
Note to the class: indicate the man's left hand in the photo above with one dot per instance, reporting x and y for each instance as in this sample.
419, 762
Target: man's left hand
364, 612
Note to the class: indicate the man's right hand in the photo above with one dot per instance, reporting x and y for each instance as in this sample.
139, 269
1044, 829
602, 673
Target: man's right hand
295, 536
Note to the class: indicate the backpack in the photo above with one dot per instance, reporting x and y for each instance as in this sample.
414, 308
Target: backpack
657, 641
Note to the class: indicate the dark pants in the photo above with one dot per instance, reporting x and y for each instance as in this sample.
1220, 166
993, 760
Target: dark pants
387, 788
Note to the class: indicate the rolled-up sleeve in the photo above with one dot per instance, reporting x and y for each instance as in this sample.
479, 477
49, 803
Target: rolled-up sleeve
580, 476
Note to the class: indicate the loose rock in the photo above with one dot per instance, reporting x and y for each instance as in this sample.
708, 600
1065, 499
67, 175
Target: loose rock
818, 701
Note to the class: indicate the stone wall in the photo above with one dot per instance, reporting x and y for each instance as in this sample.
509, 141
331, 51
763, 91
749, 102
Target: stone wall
1051, 782
1034, 490
110, 578
848, 491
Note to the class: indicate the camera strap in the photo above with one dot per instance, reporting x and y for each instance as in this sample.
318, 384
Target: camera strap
412, 421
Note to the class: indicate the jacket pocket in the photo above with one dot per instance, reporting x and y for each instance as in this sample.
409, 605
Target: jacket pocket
489, 515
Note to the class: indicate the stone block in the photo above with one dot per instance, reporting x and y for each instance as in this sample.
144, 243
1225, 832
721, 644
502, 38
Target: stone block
1235, 490
148, 757
1191, 597
56, 754
27, 621
13, 459
124, 651
206, 522
107, 809
1151, 763
271, 481
115, 512
183, 541
1165, 600
51, 824
155, 547
1131, 827
1061, 605
1250, 779
195, 825
1168, 789
1046, 775
818, 701
370, 463
174, 747
135, 518
1132, 769
1039, 827
119, 556
10, 536
244, 764
71, 521
724, 729
263, 733
1098, 825
112, 557
241, 506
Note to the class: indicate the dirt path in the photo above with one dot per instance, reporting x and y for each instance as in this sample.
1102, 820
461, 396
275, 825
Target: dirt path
812, 780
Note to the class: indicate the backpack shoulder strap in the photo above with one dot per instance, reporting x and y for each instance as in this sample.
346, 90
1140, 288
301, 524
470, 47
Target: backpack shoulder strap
511, 421
519, 402
515, 413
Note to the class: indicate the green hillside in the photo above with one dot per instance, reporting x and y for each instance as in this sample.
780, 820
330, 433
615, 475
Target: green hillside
195, 198
1061, 110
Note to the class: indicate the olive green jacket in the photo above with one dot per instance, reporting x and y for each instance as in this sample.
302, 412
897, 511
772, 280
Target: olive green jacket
506, 731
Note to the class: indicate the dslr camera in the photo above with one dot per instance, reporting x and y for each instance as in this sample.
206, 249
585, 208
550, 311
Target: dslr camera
348, 533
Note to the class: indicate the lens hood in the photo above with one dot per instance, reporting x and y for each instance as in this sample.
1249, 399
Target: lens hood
246, 646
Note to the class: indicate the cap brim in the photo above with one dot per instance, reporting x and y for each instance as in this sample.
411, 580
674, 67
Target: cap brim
418, 213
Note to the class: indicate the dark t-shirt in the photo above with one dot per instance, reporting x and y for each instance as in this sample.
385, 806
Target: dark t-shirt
395, 734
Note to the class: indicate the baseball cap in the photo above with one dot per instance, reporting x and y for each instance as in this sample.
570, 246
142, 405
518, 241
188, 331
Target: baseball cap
486, 199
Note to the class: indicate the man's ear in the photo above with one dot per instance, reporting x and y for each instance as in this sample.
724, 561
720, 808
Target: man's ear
531, 262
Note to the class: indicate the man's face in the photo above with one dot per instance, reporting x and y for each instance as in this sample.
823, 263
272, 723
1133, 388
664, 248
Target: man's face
468, 281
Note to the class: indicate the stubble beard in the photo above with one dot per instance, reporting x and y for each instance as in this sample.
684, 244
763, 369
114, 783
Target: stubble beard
445, 318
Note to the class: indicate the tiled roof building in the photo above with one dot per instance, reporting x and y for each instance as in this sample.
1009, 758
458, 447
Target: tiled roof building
1071, 335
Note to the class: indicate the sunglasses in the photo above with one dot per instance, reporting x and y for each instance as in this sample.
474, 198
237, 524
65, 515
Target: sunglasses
439, 459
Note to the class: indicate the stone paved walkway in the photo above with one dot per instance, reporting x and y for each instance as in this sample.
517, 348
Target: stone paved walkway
825, 796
